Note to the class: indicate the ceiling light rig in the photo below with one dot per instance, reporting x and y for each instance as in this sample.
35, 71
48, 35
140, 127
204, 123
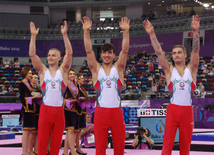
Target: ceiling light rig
206, 5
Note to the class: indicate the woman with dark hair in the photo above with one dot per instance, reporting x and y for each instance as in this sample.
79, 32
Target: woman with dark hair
71, 113
28, 109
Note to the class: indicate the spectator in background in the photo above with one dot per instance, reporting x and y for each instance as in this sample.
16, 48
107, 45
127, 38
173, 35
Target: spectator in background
161, 85
6, 63
127, 71
136, 54
151, 76
138, 88
211, 71
212, 61
203, 66
141, 61
167, 54
200, 87
140, 54
145, 54
131, 57
162, 78
148, 62
205, 70
146, 74
10, 89
142, 76
88, 133
16, 63
146, 142
1, 63
203, 93
4, 89
11, 63
151, 58
84, 62
133, 69
151, 66
154, 86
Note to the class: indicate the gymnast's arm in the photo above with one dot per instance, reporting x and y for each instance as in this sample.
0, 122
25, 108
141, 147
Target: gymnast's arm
194, 60
67, 60
121, 62
158, 50
92, 63
37, 64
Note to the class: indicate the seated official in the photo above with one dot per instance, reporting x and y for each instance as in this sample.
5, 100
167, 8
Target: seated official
146, 142
87, 135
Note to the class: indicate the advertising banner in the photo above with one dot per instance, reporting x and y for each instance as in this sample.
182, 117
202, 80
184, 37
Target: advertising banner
20, 48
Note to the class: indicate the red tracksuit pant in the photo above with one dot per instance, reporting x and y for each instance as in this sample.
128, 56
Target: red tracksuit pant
105, 118
51, 121
178, 117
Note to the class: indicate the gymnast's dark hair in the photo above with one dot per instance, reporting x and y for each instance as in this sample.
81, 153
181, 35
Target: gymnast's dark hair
108, 46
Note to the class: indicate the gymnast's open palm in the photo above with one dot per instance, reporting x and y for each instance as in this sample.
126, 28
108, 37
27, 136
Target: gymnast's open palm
124, 23
33, 29
195, 24
86, 23
148, 27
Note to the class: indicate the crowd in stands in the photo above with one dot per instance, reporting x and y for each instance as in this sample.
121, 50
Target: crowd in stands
142, 73
10, 63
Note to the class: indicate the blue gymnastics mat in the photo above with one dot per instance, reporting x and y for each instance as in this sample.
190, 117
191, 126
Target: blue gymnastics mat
203, 136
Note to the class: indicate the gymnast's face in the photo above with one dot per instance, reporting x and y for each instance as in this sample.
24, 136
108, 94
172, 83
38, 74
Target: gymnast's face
108, 56
53, 57
178, 55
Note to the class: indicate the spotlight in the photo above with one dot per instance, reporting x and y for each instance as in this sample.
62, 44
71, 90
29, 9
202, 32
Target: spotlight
206, 5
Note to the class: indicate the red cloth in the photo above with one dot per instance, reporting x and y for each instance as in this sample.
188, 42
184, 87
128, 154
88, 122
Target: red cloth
178, 117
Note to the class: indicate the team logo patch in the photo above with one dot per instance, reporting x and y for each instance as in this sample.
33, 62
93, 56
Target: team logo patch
52, 83
108, 83
182, 84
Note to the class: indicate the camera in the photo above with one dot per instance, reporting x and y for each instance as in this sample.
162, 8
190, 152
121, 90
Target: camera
141, 130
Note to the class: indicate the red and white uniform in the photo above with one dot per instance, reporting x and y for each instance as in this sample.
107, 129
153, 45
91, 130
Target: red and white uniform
179, 113
108, 112
51, 117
